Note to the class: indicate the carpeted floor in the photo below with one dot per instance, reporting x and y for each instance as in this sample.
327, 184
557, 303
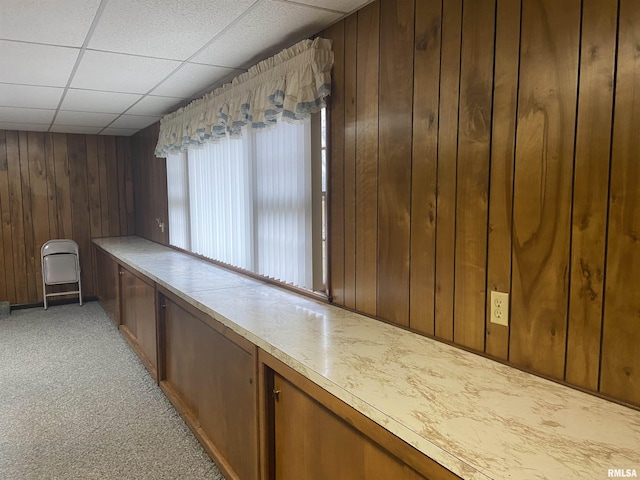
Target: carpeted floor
76, 403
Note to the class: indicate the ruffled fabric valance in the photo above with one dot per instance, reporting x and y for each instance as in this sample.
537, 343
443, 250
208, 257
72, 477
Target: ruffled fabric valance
289, 86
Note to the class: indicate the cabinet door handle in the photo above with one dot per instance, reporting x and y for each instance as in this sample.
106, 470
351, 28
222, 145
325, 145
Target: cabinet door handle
276, 394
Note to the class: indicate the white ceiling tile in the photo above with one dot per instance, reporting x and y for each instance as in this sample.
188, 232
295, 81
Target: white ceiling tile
191, 79
134, 121
345, 6
84, 119
120, 73
94, 101
125, 132
25, 127
75, 129
152, 105
163, 28
60, 22
268, 26
26, 115
36, 64
31, 97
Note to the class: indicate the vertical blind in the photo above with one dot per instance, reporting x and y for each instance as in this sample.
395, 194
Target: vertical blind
247, 202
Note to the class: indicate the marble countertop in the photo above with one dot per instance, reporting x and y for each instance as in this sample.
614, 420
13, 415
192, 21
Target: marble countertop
476, 417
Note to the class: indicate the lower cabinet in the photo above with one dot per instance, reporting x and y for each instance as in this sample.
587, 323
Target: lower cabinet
313, 443
209, 373
107, 283
312, 435
256, 417
138, 319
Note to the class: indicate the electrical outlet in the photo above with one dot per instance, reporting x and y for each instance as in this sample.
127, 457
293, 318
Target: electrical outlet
500, 308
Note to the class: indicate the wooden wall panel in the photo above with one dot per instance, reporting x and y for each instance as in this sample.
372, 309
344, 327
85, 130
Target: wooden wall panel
590, 191
505, 100
27, 217
424, 165
367, 158
447, 167
17, 219
7, 287
50, 187
52, 197
113, 190
77, 148
63, 187
149, 180
335, 159
93, 182
474, 143
543, 184
512, 184
620, 367
350, 121
38, 187
394, 160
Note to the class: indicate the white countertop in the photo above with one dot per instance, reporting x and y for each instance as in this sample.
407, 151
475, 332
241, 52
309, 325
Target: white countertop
476, 417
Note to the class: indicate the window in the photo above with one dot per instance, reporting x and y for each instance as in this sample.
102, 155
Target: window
256, 203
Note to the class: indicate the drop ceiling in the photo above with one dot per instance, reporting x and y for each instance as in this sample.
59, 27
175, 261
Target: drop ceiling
114, 67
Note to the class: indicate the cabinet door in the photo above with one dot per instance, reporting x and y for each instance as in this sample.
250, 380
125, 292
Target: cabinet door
107, 273
214, 378
311, 442
139, 317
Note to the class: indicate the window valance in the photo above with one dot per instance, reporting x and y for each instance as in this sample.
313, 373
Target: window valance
290, 86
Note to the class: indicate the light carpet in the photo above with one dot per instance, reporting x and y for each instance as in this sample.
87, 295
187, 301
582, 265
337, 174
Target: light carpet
76, 403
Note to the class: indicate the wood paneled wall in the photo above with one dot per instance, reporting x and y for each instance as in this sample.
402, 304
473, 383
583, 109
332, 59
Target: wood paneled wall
481, 145
55, 185
150, 181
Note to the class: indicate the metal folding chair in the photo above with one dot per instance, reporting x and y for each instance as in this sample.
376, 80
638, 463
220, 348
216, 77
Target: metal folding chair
60, 265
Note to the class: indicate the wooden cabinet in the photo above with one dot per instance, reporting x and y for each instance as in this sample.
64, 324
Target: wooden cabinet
209, 373
107, 283
138, 308
308, 433
255, 416
313, 443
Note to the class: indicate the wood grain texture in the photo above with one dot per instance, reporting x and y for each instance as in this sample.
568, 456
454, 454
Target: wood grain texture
122, 183
474, 145
424, 165
39, 201
52, 197
336, 166
300, 421
7, 288
590, 191
505, 101
80, 205
63, 187
93, 183
27, 218
395, 117
350, 123
17, 219
543, 183
113, 190
620, 367
215, 381
150, 186
104, 188
447, 167
552, 77
367, 158
42, 198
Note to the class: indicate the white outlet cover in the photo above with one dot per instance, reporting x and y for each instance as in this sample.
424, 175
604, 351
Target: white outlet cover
500, 308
